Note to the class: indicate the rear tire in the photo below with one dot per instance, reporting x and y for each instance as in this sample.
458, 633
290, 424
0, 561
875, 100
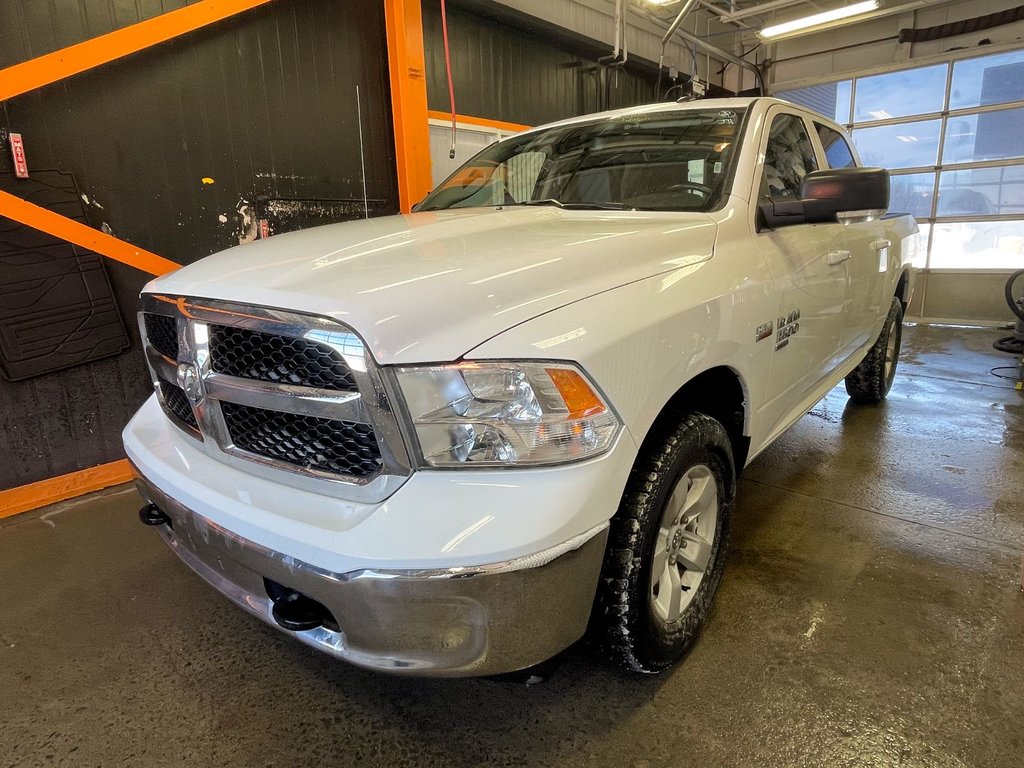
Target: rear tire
871, 381
666, 547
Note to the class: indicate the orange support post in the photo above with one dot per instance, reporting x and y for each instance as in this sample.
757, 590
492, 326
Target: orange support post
53, 67
404, 24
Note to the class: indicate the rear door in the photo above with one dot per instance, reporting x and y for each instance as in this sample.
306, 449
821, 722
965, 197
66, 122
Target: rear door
808, 270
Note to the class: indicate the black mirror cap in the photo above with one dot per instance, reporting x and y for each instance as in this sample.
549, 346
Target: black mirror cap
826, 193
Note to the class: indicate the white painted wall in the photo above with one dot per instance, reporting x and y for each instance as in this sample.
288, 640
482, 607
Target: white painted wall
861, 48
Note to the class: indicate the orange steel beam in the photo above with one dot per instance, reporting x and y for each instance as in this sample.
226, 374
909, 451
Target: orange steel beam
52, 67
484, 122
51, 223
407, 68
54, 489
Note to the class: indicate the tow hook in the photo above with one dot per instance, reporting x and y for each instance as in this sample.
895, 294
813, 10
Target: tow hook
151, 515
294, 611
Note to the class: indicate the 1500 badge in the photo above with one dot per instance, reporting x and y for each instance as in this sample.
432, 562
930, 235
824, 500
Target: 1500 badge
788, 325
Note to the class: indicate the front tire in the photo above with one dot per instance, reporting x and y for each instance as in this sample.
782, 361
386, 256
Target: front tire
667, 545
871, 381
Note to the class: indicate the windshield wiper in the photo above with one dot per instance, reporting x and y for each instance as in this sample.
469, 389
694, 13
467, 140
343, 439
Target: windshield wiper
584, 206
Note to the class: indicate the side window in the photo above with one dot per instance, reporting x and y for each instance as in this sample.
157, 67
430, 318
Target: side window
788, 157
837, 151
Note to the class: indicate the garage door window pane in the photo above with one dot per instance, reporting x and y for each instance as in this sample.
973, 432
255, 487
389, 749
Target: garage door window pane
900, 94
912, 194
919, 246
899, 146
995, 135
978, 245
829, 99
982, 191
988, 80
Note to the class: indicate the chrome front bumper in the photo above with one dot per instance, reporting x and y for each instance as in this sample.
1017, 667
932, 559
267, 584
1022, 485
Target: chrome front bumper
460, 622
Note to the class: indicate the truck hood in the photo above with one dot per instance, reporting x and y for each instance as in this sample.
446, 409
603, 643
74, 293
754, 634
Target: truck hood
429, 287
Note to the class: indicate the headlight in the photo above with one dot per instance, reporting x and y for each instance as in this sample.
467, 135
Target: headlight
506, 413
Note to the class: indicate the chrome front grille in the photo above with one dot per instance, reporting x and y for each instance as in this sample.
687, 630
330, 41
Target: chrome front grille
177, 404
281, 359
287, 396
330, 445
162, 333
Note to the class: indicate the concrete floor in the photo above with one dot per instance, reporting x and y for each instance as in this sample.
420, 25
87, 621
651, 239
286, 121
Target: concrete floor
871, 615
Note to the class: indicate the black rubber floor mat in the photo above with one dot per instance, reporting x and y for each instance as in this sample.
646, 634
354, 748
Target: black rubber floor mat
57, 308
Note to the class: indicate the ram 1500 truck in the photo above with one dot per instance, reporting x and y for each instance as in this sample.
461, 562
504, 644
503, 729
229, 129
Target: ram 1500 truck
445, 443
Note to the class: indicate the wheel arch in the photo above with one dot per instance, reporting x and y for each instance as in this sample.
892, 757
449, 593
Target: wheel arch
719, 392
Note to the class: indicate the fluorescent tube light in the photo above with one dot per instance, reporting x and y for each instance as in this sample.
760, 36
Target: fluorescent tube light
818, 19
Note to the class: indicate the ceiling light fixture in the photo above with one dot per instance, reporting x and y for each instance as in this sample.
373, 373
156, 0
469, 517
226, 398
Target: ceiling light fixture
818, 19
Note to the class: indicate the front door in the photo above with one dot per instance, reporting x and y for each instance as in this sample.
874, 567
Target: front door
810, 271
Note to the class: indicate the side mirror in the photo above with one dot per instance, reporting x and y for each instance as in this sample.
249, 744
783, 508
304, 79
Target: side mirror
825, 194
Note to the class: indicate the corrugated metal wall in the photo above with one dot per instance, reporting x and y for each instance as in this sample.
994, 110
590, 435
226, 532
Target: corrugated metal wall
503, 72
262, 104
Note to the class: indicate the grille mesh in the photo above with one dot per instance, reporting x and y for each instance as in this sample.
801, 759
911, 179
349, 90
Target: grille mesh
328, 445
178, 404
162, 333
268, 357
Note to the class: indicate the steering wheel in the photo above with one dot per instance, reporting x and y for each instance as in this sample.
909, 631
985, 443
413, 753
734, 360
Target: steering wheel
692, 186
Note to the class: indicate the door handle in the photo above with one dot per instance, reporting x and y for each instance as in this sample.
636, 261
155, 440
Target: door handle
880, 244
835, 258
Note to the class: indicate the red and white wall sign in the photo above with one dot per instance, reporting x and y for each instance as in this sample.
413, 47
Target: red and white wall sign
18, 150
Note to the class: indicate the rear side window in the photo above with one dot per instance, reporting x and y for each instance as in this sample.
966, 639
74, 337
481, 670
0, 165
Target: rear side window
788, 157
837, 151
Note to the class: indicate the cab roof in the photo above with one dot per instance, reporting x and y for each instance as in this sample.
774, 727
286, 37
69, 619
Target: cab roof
742, 102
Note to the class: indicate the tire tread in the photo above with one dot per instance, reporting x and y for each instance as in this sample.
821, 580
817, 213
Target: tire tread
623, 565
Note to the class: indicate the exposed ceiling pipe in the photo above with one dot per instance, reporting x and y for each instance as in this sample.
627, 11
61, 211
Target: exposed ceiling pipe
618, 27
758, 10
687, 7
714, 50
724, 55
683, 12
724, 15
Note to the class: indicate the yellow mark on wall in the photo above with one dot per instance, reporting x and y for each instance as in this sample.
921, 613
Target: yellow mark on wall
207, 180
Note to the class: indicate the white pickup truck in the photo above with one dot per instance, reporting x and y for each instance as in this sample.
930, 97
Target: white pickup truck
446, 443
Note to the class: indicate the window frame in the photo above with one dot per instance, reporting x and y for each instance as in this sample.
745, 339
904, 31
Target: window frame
754, 195
836, 128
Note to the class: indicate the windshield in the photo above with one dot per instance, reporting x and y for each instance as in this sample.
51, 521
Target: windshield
665, 161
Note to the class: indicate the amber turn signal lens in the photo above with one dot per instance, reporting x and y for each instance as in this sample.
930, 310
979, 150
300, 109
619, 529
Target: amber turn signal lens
579, 398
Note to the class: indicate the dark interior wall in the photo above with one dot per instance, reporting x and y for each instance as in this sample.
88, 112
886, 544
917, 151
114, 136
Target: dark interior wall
521, 73
260, 105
